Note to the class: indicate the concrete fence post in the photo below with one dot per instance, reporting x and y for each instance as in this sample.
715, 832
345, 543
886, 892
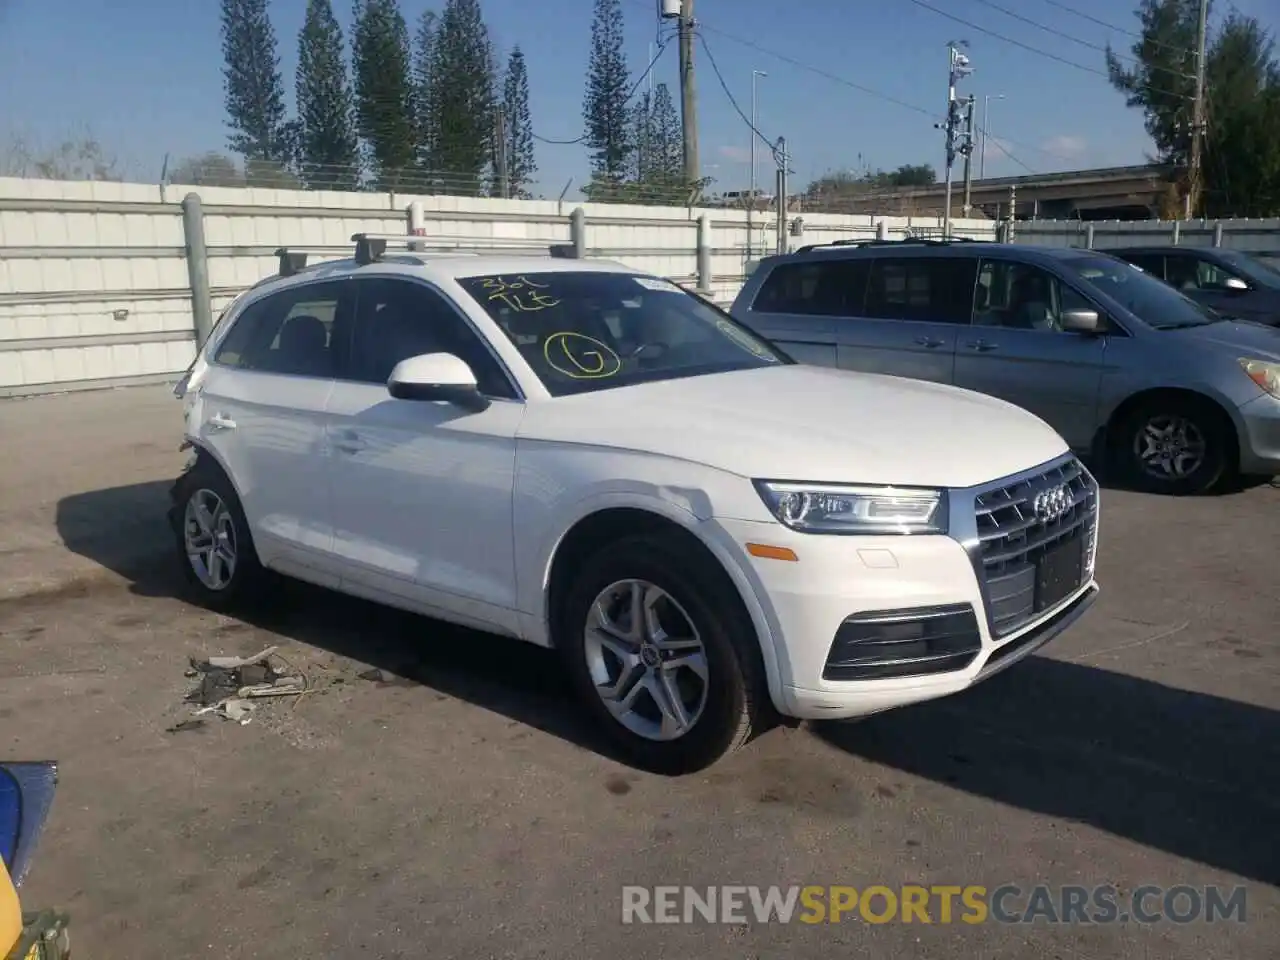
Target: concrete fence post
882, 229
1088, 237
1177, 232
415, 223
197, 267
704, 254
1217, 234
578, 233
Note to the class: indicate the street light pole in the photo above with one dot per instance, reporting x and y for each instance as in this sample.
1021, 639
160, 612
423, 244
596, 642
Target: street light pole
986, 122
751, 197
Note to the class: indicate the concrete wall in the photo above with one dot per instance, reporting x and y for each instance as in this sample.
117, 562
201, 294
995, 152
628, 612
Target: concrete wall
94, 286
1258, 237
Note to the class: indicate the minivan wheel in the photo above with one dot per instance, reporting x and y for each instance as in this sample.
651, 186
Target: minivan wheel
214, 544
1173, 445
658, 650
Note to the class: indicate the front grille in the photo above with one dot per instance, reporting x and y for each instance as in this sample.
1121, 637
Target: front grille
1013, 540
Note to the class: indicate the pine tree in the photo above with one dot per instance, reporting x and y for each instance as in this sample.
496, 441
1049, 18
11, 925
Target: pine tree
327, 149
604, 109
383, 91
464, 97
254, 88
642, 138
667, 165
519, 126
425, 85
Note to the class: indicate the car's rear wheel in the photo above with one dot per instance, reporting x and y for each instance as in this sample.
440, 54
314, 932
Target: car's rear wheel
662, 653
214, 544
1173, 445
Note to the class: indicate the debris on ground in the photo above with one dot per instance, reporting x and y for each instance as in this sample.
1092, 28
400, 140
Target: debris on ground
228, 685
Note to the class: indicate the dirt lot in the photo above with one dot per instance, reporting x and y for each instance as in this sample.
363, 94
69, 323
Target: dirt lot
456, 807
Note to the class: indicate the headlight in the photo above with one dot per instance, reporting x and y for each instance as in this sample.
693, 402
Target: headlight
1264, 374
832, 508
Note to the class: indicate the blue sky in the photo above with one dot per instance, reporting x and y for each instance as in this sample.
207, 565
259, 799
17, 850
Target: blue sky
144, 77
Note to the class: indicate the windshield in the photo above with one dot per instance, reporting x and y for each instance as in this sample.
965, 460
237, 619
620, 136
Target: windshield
585, 331
1150, 300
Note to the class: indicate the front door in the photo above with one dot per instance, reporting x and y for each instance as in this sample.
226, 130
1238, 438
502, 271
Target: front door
263, 405
422, 491
913, 310
1016, 349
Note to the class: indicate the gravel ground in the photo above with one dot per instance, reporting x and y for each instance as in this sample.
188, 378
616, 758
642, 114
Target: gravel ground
453, 804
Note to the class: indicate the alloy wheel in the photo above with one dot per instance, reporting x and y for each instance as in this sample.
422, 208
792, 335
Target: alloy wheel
647, 660
209, 535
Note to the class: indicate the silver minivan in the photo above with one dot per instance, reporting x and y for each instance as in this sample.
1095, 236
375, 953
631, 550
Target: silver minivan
1173, 397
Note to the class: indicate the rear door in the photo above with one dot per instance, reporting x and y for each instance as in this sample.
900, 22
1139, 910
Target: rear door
912, 313
262, 411
1016, 349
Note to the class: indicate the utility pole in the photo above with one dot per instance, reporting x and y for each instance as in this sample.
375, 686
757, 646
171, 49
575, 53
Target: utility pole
503, 165
1195, 172
957, 68
688, 95
780, 154
966, 148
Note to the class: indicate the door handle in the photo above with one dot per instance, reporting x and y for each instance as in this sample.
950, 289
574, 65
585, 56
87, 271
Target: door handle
349, 442
982, 346
220, 421
929, 342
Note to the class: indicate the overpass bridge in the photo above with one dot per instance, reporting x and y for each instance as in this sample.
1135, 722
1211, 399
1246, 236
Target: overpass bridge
1108, 193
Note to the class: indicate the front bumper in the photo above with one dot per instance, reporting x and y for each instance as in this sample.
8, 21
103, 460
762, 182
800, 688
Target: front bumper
858, 625
1260, 436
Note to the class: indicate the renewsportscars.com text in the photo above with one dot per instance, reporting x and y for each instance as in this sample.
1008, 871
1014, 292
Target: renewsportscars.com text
938, 904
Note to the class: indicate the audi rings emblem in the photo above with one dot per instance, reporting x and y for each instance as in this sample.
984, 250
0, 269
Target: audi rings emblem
1052, 504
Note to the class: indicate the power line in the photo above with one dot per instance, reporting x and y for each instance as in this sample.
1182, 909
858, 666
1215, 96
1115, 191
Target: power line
631, 93
843, 81
1100, 47
1111, 26
1029, 48
818, 71
733, 100
1000, 146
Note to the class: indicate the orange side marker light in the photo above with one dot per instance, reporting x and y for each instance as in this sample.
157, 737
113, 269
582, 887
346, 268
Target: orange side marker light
768, 552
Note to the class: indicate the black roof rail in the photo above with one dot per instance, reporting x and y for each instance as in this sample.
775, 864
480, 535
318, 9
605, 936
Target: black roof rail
877, 242
293, 260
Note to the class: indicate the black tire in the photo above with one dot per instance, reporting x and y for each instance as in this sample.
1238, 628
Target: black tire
247, 577
735, 698
1216, 467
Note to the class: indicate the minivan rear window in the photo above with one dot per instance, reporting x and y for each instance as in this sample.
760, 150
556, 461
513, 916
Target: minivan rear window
832, 287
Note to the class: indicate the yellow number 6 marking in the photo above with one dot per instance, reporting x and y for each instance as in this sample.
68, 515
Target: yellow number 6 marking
591, 364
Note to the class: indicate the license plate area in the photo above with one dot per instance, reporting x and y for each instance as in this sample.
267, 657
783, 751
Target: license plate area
1059, 572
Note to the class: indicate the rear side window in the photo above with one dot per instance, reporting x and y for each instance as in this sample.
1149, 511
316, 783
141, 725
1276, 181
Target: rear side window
925, 289
288, 332
823, 288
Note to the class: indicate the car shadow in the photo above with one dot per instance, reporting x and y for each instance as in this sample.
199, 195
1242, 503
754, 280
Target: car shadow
125, 530
1194, 775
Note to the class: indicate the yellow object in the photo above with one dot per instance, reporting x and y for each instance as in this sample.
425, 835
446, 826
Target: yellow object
10, 913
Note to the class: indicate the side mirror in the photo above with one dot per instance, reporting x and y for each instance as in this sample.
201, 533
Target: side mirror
436, 377
1236, 284
1080, 321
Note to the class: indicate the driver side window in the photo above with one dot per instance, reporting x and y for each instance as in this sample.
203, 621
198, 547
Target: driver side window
1191, 273
1022, 296
398, 319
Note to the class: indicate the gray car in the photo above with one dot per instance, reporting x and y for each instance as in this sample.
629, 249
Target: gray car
1170, 395
1233, 283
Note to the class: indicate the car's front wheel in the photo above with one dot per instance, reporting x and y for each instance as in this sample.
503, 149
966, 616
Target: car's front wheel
663, 653
1173, 445
214, 544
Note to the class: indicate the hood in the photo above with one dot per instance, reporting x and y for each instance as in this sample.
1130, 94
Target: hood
808, 423
1238, 337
